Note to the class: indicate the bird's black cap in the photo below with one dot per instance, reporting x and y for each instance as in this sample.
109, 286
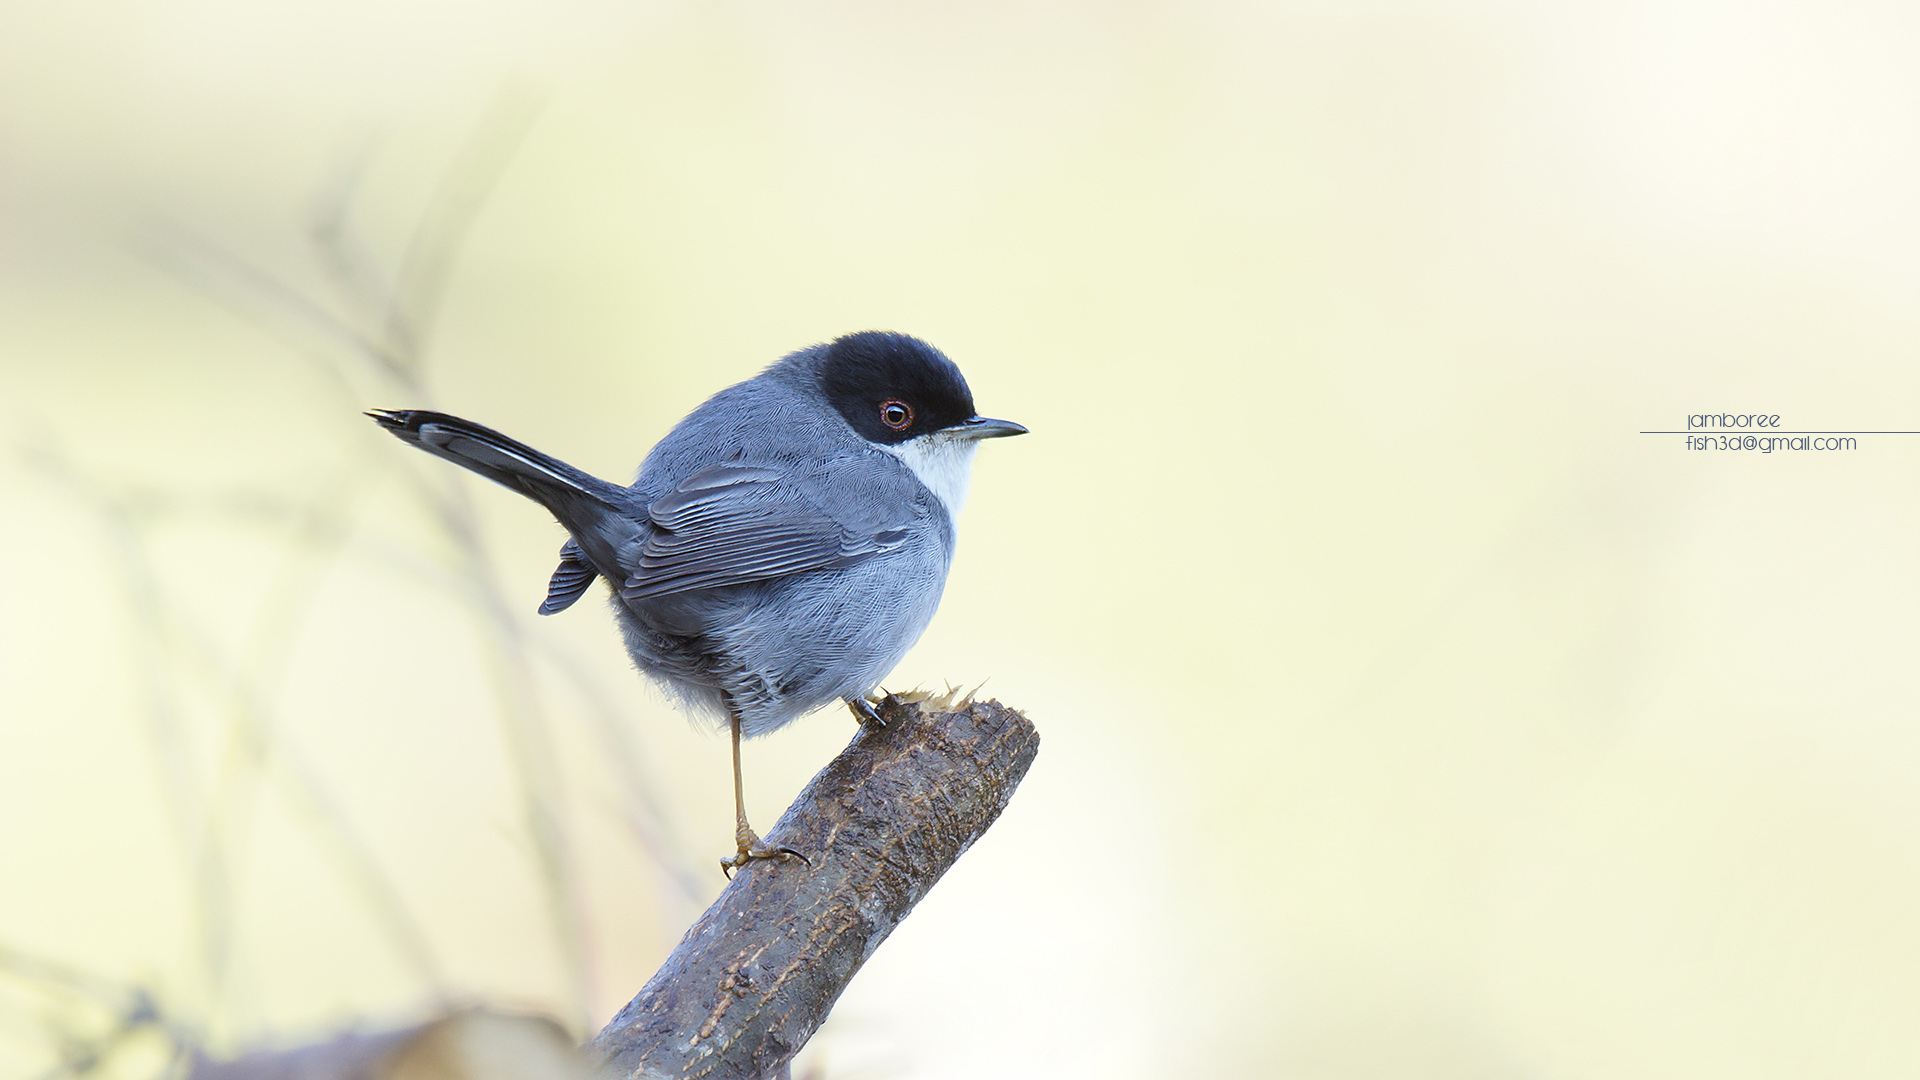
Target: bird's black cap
893, 387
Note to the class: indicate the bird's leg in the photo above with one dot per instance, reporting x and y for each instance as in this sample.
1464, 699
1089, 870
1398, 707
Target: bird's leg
864, 712
750, 846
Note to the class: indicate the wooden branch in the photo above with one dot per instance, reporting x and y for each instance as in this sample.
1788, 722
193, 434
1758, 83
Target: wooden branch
757, 974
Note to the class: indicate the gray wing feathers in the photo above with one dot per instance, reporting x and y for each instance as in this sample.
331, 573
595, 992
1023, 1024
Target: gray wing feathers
570, 580
731, 524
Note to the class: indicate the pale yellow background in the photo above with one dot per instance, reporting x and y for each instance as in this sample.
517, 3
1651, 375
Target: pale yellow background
1406, 712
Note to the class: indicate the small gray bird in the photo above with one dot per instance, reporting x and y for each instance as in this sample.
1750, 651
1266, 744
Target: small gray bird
783, 547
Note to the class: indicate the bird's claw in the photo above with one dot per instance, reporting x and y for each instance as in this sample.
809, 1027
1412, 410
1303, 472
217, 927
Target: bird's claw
752, 848
864, 711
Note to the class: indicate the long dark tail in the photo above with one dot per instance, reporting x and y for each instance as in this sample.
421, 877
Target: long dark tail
596, 512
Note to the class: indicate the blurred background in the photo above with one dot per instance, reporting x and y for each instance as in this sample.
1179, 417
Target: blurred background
1406, 711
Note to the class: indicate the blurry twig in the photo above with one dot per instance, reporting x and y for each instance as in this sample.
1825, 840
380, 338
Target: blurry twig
206, 848
383, 331
365, 334
91, 1016
154, 639
322, 529
463, 190
294, 523
642, 813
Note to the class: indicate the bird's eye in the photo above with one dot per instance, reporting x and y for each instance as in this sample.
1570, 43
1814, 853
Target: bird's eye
897, 415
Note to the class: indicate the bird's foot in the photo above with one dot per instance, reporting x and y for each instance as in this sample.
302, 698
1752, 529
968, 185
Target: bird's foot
753, 848
864, 711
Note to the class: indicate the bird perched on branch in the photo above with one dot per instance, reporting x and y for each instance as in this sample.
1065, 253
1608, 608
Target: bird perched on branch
783, 547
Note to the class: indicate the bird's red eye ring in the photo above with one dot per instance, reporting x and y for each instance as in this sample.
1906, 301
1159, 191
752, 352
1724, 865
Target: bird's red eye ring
896, 414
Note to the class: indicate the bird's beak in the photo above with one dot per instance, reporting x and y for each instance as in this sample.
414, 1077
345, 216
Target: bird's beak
981, 427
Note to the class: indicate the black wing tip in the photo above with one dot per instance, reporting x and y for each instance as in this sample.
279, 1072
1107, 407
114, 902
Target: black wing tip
395, 420
408, 423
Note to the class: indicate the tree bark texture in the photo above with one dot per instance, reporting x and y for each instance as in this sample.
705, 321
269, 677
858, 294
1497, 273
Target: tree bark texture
758, 973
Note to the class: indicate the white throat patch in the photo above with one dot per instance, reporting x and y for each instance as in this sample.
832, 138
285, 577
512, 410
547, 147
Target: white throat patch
943, 462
